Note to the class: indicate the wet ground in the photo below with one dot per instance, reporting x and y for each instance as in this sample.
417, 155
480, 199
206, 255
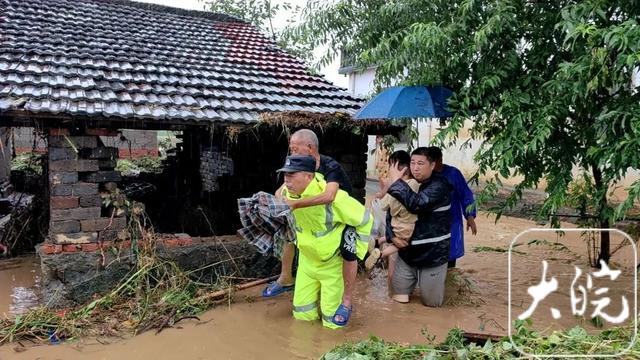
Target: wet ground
256, 328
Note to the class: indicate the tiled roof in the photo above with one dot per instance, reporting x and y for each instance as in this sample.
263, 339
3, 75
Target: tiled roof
126, 60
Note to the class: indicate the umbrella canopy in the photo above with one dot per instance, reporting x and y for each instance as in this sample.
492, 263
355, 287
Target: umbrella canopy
407, 102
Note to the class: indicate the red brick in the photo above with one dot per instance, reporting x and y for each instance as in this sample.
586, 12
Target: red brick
106, 244
58, 132
135, 153
186, 242
126, 244
57, 249
22, 150
47, 249
101, 132
171, 242
70, 248
64, 202
90, 247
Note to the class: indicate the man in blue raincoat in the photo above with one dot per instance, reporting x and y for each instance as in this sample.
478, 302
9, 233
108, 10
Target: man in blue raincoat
461, 199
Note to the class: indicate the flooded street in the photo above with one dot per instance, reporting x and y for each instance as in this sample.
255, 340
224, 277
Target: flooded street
257, 328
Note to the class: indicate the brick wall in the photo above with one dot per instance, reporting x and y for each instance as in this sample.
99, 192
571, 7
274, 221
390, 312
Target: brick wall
25, 139
213, 165
130, 143
80, 172
134, 143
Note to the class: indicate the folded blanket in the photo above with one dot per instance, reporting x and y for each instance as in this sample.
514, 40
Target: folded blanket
267, 222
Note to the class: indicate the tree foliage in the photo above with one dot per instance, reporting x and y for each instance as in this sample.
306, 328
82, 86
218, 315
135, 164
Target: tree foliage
548, 84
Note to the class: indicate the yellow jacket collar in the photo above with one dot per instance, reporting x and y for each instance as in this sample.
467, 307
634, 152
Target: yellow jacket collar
315, 187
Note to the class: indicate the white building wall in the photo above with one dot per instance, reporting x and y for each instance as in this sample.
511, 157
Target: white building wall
361, 84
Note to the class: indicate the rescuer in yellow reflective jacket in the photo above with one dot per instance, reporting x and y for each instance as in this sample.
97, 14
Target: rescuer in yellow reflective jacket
321, 231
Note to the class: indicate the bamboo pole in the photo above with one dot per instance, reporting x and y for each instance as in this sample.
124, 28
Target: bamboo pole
220, 293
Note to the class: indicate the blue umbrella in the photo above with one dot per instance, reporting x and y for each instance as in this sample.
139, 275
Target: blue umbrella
407, 102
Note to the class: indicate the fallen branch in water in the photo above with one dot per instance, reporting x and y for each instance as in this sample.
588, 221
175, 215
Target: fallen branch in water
221, 293
165, 322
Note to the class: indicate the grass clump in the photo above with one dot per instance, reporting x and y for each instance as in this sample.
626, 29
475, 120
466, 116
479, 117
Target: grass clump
142, 164
478, 249
30, 163
575, 341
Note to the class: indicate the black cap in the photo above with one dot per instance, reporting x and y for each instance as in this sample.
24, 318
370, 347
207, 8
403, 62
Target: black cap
295, 163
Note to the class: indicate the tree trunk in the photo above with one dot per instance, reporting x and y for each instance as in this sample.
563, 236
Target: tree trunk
605, 251
604, 243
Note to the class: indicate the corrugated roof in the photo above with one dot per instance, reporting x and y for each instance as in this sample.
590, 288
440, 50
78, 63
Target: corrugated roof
121, 59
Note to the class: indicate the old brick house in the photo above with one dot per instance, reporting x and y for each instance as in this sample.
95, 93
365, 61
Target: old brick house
81, 69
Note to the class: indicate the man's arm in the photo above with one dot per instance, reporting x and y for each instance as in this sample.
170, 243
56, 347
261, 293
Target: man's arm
326, 197
422, 200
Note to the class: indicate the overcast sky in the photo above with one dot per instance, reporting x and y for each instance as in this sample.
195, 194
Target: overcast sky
330, 72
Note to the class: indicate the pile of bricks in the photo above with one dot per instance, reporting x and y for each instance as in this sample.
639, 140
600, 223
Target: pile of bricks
213, 165
80, 169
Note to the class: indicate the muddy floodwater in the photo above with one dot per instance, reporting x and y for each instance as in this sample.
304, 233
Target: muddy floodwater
257, 328
19, 281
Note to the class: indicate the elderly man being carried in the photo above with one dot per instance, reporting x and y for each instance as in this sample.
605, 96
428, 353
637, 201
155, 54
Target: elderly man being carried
319, 232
